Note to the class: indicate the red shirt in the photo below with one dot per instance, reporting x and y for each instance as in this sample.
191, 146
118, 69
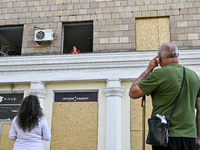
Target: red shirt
78, 51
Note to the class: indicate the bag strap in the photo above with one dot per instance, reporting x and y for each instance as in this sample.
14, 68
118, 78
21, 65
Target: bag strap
177, 98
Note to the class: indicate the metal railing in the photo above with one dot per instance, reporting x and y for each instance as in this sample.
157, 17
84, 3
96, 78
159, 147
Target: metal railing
3, 54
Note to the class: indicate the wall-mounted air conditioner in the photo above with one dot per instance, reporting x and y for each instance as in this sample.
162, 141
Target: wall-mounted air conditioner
43, 35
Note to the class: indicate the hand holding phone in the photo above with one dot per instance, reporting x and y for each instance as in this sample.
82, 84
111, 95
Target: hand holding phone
153, 63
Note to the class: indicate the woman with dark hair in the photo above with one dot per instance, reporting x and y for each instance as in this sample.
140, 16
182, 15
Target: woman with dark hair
75, 50
29, 127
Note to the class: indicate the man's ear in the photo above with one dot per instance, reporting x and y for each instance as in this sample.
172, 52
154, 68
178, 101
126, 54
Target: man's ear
159, 59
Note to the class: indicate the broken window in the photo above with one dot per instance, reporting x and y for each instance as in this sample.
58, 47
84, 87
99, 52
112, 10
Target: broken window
78, 34
11, 40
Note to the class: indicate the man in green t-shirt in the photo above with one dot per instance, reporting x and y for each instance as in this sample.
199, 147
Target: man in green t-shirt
163, 84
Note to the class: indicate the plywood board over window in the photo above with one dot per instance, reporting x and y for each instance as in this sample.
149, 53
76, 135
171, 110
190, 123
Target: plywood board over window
5, 142
75, 123
139, 121
151, 33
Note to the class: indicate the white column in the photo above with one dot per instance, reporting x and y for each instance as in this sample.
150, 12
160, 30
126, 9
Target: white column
114, 93
38, 88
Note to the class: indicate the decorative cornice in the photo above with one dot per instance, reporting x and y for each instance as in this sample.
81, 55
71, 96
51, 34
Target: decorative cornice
126, 66
89, 61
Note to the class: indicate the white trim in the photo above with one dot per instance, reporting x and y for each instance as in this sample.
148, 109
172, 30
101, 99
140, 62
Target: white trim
84, 67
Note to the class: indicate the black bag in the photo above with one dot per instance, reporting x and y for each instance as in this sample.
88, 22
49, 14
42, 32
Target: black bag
158, 131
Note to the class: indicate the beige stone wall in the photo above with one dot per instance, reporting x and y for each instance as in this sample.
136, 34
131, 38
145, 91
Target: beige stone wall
114, 21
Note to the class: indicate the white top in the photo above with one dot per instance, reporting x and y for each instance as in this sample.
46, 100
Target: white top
30, 140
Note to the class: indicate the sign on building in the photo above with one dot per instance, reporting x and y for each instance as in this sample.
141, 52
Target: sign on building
9, 104
76, 97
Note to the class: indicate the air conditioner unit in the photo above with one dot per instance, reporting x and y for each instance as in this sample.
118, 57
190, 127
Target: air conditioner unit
43, 35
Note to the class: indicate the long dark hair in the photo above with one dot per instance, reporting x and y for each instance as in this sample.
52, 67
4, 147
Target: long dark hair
29, 113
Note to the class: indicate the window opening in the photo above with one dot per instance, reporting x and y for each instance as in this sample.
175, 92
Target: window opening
78, 34
11, 40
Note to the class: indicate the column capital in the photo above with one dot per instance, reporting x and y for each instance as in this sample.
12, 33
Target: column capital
114, 88
114, 91
38, 88
39, 93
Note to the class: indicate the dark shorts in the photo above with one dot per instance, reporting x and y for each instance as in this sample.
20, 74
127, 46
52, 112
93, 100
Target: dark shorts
178, 143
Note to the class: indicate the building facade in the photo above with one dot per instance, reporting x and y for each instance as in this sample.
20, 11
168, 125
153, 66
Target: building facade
85, 96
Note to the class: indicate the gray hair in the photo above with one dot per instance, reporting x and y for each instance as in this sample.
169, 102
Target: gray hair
168, 50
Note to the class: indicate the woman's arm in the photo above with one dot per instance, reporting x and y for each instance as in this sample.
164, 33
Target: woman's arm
45, 130
13, 133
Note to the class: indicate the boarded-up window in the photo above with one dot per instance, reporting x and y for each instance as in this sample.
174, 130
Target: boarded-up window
75, 121
139, 124
151, 33
5, 142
